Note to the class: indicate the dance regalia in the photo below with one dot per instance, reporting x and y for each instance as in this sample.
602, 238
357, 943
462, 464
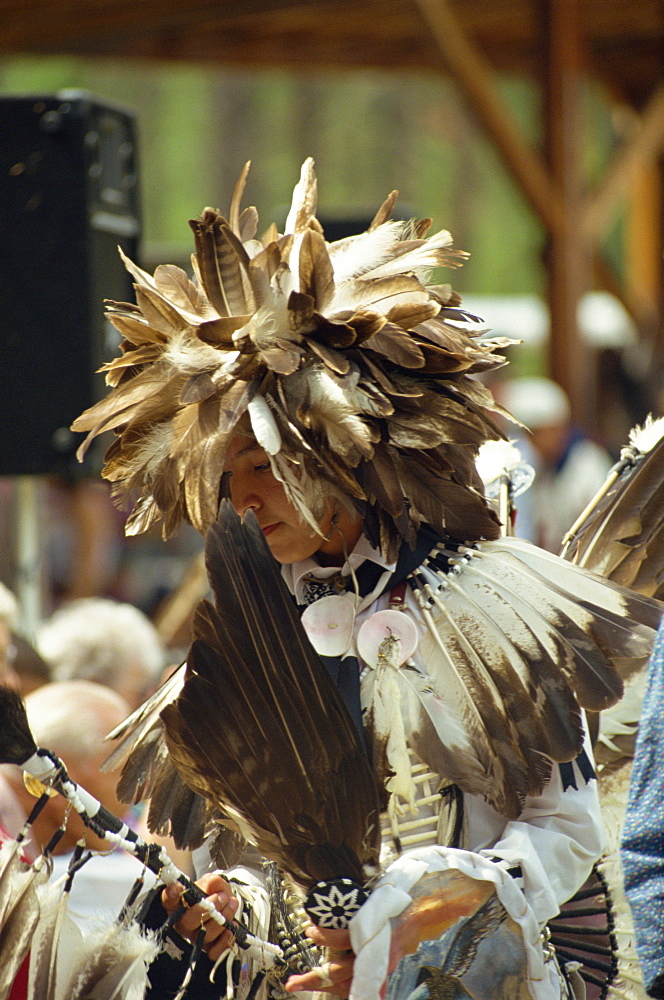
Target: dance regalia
356, 376
562, 822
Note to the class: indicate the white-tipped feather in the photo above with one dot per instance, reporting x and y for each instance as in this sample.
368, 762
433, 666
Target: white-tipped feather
357, 255
420, 261
558, 572
644, 438
303, 205
517, 641
264, 425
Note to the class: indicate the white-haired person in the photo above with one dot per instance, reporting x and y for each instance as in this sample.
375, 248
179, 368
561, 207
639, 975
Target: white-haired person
569, 466
10, 809
71, 719
105, 641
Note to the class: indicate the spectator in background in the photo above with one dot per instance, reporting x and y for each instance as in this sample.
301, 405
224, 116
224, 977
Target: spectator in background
114, 644
8, 615
71, 718
21, 666
106, 641
31, 669
569, 467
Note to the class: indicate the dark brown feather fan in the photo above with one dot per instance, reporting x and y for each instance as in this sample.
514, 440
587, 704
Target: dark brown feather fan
259, 728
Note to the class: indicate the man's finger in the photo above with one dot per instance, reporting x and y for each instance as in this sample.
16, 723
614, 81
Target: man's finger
338, 940
329, 977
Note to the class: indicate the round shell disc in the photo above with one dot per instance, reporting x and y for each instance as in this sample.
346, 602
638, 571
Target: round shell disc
329, 624
382, 626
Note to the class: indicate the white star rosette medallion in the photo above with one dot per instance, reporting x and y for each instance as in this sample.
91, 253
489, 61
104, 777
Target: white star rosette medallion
332, 904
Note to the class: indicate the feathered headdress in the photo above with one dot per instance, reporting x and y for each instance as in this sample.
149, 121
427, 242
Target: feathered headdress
353, 373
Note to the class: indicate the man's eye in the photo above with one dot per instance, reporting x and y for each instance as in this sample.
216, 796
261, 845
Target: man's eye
259, 468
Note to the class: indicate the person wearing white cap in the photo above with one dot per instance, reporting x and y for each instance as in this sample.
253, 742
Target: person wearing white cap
569, 466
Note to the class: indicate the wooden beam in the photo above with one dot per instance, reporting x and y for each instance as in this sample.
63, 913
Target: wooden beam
568, 254
476, 80
644, 270
644, 146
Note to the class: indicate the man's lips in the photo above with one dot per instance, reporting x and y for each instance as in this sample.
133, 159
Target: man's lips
269, 528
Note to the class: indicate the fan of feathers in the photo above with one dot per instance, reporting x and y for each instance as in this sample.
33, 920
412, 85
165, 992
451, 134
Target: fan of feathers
352, 372
259, 742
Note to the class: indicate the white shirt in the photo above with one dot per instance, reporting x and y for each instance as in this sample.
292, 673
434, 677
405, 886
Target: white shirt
556, 839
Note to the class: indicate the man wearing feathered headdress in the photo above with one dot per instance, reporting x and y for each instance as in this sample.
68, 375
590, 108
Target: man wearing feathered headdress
328, 391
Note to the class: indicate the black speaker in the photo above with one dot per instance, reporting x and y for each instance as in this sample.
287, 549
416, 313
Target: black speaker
68, 199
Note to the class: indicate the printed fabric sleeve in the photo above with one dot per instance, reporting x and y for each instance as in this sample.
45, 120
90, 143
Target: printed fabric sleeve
643, 836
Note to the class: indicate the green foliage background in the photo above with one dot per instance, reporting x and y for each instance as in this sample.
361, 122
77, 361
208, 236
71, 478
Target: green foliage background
369, 132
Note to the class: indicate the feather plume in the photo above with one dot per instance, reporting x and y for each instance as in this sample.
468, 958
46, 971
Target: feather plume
269, 321
433, 252
282, 717
67, 964
264, 425
621, 533
112, 965
19, 884
305, 199
357, 255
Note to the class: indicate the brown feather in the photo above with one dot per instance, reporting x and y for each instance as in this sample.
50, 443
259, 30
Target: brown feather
384, 213
622, 537
218, 265
316, 273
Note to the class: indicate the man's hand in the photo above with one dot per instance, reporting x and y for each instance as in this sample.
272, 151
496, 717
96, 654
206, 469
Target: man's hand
218, 891
335, 974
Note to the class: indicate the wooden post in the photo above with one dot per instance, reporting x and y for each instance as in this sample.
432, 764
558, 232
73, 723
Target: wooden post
477, 82
568, 252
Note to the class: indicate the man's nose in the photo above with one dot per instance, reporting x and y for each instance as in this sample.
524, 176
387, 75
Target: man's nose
244, 500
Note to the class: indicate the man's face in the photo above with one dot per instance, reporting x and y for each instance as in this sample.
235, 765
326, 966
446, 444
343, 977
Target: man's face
253, 486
